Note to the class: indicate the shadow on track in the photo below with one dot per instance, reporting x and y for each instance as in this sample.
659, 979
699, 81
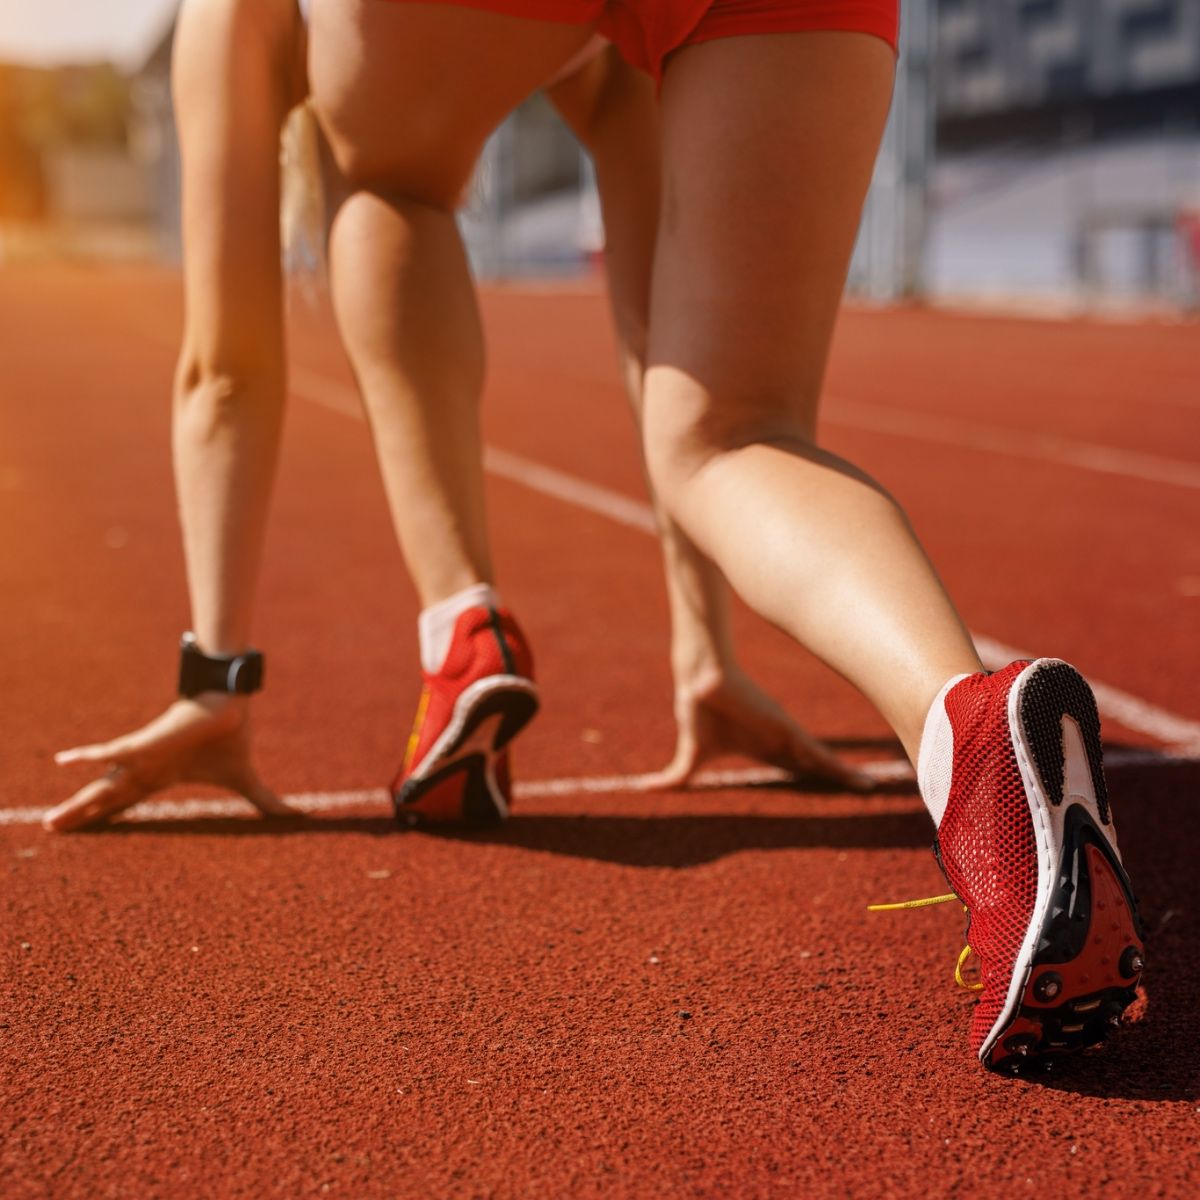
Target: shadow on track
678, 840
692, 840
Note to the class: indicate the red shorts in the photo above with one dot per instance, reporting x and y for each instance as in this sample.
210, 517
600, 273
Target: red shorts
646, 31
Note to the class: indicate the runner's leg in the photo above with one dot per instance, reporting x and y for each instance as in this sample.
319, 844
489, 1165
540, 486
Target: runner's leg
768, 147
405, 134
613, 110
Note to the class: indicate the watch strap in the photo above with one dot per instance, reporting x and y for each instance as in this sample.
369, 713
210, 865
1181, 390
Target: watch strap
238, 674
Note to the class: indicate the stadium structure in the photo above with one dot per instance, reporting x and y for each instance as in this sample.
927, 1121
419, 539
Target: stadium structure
1038, 150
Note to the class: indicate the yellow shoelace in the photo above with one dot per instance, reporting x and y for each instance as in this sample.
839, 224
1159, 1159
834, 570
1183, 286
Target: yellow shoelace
967, 984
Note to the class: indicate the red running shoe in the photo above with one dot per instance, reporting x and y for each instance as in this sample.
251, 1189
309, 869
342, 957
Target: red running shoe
1026, 840
456, 766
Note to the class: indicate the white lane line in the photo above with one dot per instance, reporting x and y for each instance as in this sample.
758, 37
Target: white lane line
590, 496
374, 803
1042, 447
338, 397
1179, 734
878, 418
341, 398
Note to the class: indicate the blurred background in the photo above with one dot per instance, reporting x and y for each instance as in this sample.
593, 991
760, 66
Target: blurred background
1043, 154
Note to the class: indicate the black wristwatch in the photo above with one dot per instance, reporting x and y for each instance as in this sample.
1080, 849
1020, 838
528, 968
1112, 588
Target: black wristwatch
234, 673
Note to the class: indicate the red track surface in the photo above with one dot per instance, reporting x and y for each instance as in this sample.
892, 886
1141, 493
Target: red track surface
614, 995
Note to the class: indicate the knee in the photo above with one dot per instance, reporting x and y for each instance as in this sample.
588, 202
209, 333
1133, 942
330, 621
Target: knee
686, 427
417, 173
418, 159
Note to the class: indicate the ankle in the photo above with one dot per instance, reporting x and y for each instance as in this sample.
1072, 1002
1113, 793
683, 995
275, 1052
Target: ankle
435, 625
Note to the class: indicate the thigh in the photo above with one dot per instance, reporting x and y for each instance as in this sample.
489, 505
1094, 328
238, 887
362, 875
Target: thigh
768, 145
408, 92
234, 78
612, 108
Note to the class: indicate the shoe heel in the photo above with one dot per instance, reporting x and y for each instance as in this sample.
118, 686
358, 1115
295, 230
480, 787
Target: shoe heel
1087, 961
462, 786
1051, 691
515, 706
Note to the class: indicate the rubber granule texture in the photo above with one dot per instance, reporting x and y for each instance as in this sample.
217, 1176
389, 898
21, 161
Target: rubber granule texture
610, 995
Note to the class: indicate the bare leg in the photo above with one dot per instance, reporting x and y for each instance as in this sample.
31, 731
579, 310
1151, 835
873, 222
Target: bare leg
768, 146
238, 68
613, 110
405, 136
406, 312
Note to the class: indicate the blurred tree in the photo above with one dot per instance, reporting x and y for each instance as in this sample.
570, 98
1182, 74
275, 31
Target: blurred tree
22, 181
74, 105
95, 106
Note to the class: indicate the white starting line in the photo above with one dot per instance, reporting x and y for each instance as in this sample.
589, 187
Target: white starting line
374, 803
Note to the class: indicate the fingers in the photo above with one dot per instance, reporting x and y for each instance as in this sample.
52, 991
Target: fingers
744, 720
95, 802
270, 805
181, 728
757, 725
671, 778
99, 752
185, 744
679, 771
161, 736
264, 799
810, 755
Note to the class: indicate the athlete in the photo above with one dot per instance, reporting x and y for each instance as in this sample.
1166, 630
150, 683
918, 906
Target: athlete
239, 69
770, 118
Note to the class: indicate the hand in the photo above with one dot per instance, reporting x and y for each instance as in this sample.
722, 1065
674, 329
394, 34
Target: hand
205, 740
732, 715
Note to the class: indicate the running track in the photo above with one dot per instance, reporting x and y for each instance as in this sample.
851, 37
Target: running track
615, 995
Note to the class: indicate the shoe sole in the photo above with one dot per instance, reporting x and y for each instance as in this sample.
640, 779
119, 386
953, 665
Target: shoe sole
456, 780
1083, 953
